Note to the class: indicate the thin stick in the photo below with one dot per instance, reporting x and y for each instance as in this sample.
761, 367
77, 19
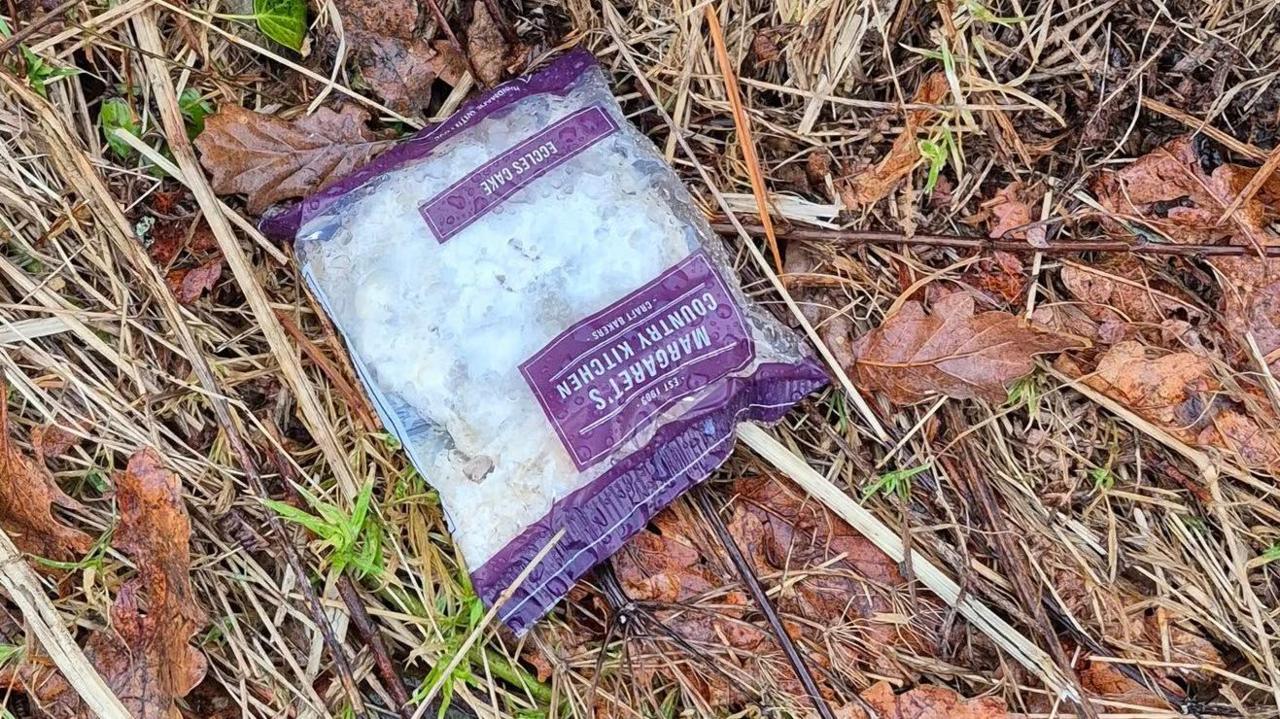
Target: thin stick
702, 497
878, 237
346, 588
979, 614
743, 125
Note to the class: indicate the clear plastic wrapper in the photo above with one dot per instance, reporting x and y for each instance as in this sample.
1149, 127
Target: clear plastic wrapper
546, 322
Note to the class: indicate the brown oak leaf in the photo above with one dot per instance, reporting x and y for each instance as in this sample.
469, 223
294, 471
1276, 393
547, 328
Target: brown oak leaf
1002, 275
785, 532
952, 351
27, 495
1124, 289
190, 284
271, 159
1183, 189
395, 56
923, 702
1178, 392
1012, 207
875, 183
145, 655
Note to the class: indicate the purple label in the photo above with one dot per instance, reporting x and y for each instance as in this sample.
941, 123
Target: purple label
468, 199
605, 376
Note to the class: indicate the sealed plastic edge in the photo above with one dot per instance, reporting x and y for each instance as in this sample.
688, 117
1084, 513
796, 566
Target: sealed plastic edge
599, 518
283, 222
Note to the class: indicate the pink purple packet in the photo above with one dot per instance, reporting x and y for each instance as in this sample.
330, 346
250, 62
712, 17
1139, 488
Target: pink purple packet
543, 317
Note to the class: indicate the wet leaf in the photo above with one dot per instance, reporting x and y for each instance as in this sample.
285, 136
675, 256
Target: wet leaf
398, 62
27, 495
189, 285
1251, 304
145, 654
786, 533
50, 441
1178, 392
1125, 294
167, 240
400, 71
1183, 189
923, 702
1012, 207
1002, 275
284, 21
874, 184
951, 351
271, 159
491, 55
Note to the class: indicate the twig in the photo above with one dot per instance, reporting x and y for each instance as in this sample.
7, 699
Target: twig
32, 27
879, 237
702, 497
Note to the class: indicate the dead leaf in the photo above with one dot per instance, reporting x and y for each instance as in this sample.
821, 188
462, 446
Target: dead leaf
145, 654
821, 306
1124, 289
876, 183
1002, 275
952, 351
400, 71
50, 441
1013, 206
1251, 304
27, 495
189, 285
451, 65
1183, 188
167, 240
396, 59
785, 532
491, 55
923, 702
664, 566
271, 159
764, 46
147, 659
1178, 392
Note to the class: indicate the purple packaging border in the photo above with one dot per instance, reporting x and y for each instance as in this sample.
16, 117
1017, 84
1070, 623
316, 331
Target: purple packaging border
680, 455
558, 76
428, 209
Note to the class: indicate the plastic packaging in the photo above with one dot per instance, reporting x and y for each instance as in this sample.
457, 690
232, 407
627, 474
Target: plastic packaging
546, 322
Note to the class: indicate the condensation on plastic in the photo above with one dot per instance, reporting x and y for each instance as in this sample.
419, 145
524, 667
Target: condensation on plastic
547, 323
